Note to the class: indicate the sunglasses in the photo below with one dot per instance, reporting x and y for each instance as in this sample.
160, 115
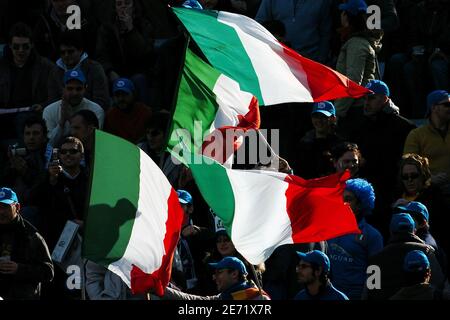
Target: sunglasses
69, 151
17, 46
411, 176
445, 104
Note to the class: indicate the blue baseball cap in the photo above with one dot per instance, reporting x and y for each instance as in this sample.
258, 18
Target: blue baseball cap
402, 222
416, 261
378, 87
74, 75
123, 84
231, 263
437, 97
192, 4
353, 7
317, 257
184, 197
7, 196
415, 207
324, 107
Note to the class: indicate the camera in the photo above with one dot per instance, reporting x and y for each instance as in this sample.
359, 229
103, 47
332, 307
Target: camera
15, 151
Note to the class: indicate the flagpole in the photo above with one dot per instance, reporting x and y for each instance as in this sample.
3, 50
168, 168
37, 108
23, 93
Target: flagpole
258, 284
175, 98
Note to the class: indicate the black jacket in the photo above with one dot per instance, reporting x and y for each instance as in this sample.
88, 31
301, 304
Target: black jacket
26, 247
390, 261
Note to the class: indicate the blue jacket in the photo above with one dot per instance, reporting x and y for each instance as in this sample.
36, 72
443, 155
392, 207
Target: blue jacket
326, 293
307, 23
349, 258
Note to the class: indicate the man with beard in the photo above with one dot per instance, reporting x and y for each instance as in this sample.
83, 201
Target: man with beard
313, 271
128, 117
57, 114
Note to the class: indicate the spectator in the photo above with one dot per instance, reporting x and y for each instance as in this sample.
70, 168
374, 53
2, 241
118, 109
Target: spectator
432, 140
53, 23
64, 193
421, 217
314, 148
380, 133
125, 47
128, 117
82, 126
313, 271
418, 274
25, 261
426, 54
185, 275
346, 155
57, 114
154, 146
349, 254
103, 284
63, 198
24, 77
73, 57
415, 185
307, 23
231, 280
390, 259
358, 56
27, 167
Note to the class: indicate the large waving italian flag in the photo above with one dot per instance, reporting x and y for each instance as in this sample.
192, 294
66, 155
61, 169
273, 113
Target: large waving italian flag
210, 104
245, 51
134, 217
262, 210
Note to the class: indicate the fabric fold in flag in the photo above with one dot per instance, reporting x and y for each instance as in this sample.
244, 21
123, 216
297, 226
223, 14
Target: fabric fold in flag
209, 106
134, 218
245, 51
262, 210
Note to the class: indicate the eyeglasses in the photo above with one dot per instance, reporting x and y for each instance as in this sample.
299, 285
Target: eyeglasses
69, 151
24, 46
411, 176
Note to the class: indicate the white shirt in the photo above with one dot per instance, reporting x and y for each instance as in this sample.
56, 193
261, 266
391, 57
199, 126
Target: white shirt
52, 115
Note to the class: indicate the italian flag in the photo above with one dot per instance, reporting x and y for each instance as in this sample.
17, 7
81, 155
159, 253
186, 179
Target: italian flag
210, 104
245, 51
134, 218
262, 210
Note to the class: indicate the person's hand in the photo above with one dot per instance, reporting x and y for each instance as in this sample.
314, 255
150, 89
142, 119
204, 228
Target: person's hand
79, 222
8, 267
37, 108
400, 202
113, 76
65, 111
190, 231
439, 179
19, 164
54, 170
284, 166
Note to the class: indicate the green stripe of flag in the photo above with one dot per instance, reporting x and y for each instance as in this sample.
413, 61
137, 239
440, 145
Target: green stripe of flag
196, 100
204, 28
217, 192
113, 199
